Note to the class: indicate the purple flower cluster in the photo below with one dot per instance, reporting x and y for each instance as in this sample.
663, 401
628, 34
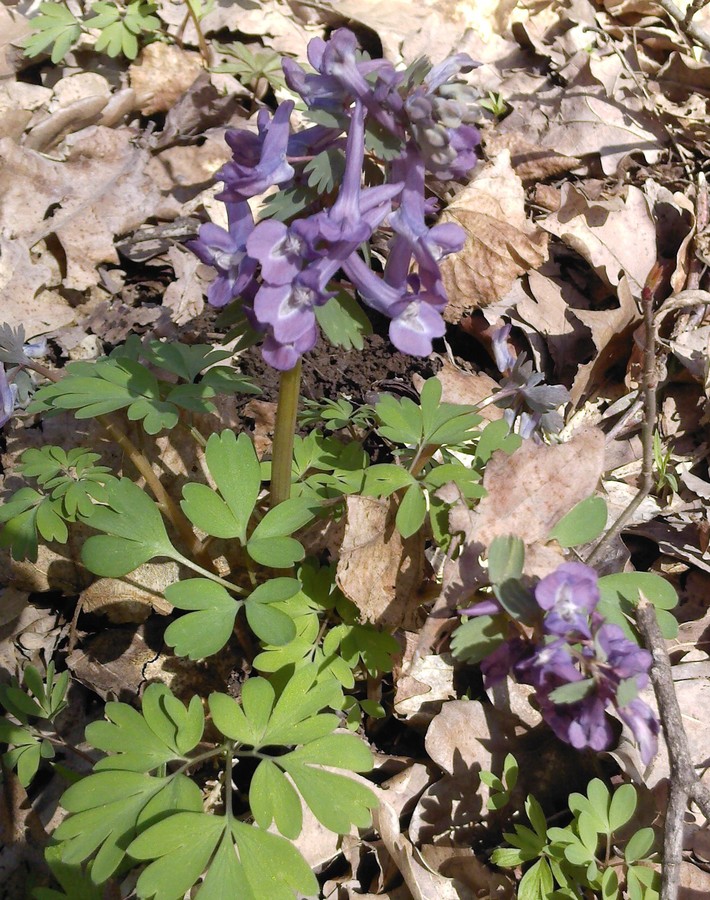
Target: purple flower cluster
580, 665
281, 271
523, 394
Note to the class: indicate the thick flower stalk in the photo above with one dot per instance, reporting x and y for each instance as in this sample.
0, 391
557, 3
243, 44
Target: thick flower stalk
383, 131
578, 664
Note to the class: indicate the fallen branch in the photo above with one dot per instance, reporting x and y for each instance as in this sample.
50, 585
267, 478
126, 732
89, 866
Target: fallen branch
688, 28
684, 784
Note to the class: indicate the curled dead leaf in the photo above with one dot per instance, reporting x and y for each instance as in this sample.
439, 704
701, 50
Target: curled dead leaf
378, 570
501, 244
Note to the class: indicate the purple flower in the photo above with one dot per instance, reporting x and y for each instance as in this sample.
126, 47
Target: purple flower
582, 724
281, 251
623, 657
8, 397
339, 231
644, 725
549, 667
226, 252
569, 595
288, 309
341, 78
440, 113
259, 161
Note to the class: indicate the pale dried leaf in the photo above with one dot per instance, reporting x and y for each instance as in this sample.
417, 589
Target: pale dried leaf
378, 570
133, 598
501, 243
615, 237
420, 693
161, 75
586, 124
531, 490
184, 297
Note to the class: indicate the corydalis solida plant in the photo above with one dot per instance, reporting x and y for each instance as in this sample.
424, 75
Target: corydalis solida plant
578, 663
399, 126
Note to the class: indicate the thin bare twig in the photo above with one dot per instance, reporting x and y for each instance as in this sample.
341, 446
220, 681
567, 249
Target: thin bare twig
688, 28
684, 784
649, 384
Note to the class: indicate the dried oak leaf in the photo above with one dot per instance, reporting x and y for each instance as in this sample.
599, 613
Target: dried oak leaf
161, 75
501, 244
378, 570
529, 491
101, 190
616, 237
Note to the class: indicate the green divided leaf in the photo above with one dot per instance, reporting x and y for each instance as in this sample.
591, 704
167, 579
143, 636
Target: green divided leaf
343, 321
134, 532
269, 624
206, 630
338, 802
73, 879
582, 524
109, 809
93, 389
55, 27
238, 861
619, 595
412, 511
233, 464
269, 543
141, 742
294, 718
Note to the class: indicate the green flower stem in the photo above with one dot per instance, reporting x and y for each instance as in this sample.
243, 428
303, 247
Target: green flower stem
234, 588
282, 453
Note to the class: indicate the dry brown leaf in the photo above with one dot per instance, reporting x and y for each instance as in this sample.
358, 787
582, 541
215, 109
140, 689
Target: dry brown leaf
420, 693
378, 570
551, 313
586, 124
462, 865
529, 491
530, 162
465, 736
185, 296
133, 598
421, 881
100, 190
616, 237
161, 75
17, 103
465, 388
501, 243
13, 27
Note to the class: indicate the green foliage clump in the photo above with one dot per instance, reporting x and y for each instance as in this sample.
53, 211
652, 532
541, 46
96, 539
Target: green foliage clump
596, 852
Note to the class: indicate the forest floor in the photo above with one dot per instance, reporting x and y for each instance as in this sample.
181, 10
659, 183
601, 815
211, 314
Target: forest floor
590, 188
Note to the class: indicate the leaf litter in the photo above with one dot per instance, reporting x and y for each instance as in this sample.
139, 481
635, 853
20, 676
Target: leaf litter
589, 179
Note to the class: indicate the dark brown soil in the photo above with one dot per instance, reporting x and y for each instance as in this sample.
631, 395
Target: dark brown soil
330, 372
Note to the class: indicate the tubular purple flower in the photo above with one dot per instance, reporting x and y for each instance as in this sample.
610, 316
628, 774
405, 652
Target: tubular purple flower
285, 356
644, 725
549, 667
280, 250
226, 252
445, 70
582, 724
429, 245
625, 658
568, 595
288, 309
8, 397
258, 161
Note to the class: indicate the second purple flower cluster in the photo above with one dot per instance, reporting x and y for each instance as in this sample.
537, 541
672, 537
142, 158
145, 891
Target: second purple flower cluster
579, 665
281, 271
